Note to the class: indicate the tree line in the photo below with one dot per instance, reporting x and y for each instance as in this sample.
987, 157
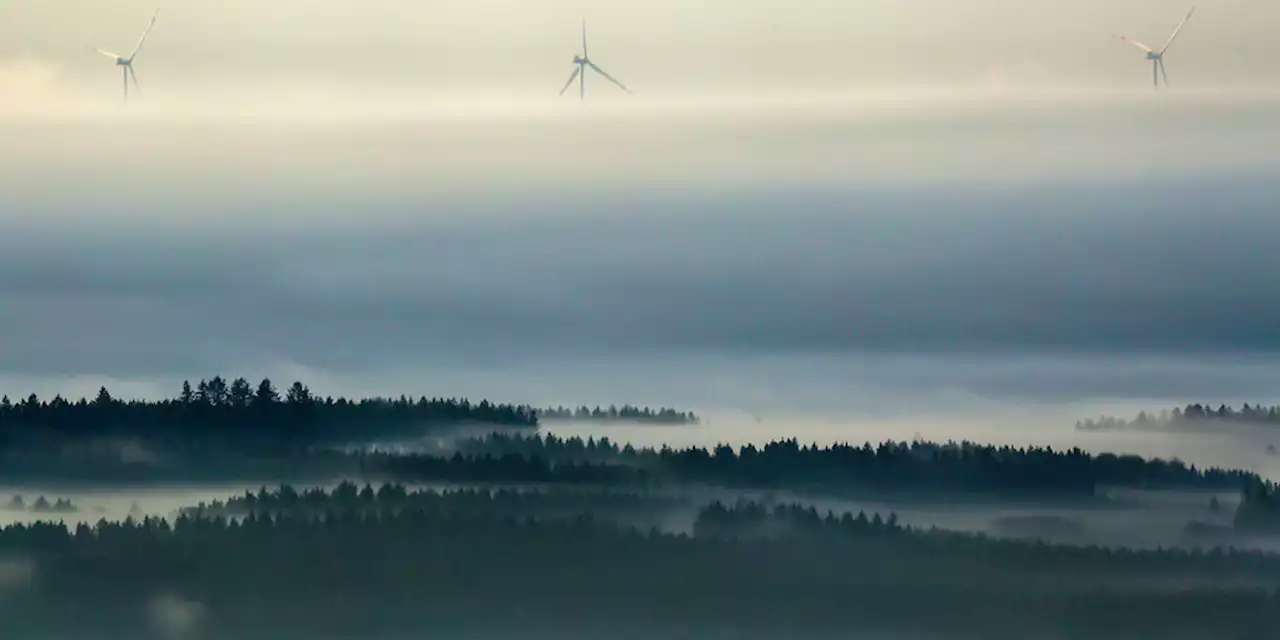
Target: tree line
1191, 416
241, 415
746, 567
955, 467
625, 413
347, 497
1259, 510
41, 505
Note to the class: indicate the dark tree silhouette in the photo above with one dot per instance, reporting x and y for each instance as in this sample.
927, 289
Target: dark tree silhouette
625, 413
952, 468
234, 415
1259, 510
463, 563
1193, 416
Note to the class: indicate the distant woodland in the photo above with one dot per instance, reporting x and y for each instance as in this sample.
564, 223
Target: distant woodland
540, 536
1193, 416
237, 414
625, 413
390, 564
624, 507
261, 419
1259, 510
923, 467
40, 505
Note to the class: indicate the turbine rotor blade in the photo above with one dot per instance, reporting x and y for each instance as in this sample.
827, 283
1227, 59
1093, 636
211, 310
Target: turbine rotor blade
133, 74
584, 37
608, 77
1164, 73
1178, 30
144, 34
1137, 44
108, 54
577, 70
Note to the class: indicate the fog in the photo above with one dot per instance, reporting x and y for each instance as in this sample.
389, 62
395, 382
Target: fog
881, 263
838, 222
663, 45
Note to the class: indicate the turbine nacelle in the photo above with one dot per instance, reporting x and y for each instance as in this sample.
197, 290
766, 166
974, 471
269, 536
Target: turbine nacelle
1156, 56
582, 64
126, 62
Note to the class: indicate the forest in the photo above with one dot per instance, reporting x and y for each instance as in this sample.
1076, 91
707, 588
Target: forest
625, 413
525, 533
1259, 510
386, 562
628, 507
1192, 416
240, 416
924, 467
40, 505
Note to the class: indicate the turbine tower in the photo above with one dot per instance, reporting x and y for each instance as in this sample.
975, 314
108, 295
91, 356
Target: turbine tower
126, 62
1157, 57
581, 64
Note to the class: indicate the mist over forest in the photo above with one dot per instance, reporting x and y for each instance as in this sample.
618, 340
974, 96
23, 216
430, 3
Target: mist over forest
927, 319
473, 517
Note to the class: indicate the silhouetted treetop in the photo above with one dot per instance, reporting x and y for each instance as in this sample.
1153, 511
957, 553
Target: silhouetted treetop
790, 569
237, 414
890, 466
625, 413
1190, 417
389, 498
1259, 510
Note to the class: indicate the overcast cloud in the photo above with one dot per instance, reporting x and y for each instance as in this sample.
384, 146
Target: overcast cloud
499, 47
1171, 267
838, 205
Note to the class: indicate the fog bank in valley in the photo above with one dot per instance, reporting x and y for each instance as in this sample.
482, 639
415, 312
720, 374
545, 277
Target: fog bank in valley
811, 258
918, 222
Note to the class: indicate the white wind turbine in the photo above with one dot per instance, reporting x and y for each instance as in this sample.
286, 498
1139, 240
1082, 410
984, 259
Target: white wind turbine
1157, 57
126, 62
582, 62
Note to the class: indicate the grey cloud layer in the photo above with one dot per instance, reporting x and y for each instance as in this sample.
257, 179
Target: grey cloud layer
657, 44
1180, 266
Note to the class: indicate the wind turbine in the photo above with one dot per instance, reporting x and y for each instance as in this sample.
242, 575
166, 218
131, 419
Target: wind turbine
581, 63
126, 62
1157, 57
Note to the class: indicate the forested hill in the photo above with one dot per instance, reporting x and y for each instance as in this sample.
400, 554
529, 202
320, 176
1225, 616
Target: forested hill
1191, 417
463, 565
238, 414
924, 467
625, 413
1259, 511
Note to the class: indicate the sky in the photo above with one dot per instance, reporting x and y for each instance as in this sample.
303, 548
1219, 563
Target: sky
997, 212
234, 47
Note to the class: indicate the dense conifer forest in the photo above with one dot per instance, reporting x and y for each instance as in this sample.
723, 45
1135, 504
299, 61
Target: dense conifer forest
625, 413
391, 562
1259, 510
1193, 416
240, 416
543, 536
261, 419
633, 508
952, 468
